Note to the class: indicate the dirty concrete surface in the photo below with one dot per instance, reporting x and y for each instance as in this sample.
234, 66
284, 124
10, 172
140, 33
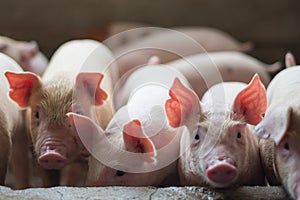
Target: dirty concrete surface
107, 193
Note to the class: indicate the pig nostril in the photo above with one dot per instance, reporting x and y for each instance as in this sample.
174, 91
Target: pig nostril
50, 148
221, 158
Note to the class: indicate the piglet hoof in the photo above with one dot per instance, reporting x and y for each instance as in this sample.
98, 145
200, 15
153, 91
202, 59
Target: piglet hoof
221, 174
52, 160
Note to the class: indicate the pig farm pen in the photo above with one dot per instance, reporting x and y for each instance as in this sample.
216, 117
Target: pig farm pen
272, 26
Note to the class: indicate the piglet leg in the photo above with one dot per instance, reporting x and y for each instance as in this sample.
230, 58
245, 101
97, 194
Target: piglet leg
4, 149
20, 158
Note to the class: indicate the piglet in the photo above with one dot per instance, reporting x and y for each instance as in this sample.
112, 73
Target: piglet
160, 42
13, 131
70, 83
281, 130
27, 54
219, 150
205, 70
126, 156
118, 152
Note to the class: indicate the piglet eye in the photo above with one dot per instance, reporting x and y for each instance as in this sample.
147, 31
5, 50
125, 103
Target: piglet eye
239, 135
286, 146
37, 115
120, 173
200, 135
78, 112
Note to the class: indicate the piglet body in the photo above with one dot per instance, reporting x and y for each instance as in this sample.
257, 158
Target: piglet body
159, 75
205, 70
160, 42
281, 125
70, 83
141, 97
13, 132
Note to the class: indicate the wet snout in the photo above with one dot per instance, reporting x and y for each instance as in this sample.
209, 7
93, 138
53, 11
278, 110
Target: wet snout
222, 171
52, 160
53, 156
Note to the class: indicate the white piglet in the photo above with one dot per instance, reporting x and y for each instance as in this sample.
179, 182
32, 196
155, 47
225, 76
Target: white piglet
200, 69
70, 83
219, 150
12, 130
26, 54
138, 147
281, 125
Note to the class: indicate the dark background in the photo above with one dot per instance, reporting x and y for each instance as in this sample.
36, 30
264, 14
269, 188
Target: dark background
272, 25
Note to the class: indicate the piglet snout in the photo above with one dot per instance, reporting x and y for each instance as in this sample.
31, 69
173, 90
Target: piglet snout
221, 173
52, 160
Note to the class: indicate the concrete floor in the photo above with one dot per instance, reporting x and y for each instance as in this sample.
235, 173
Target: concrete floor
73, 193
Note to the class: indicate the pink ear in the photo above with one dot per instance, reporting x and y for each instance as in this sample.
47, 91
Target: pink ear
22, 85
88, 133
135, 140
251, 102
183, 108
275, 124
91, 83
289, 60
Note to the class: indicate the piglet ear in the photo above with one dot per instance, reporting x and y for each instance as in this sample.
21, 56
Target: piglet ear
135, 140
88, 133
275, 124
90, 82
251, 102
22, 85
183, 108
289, 60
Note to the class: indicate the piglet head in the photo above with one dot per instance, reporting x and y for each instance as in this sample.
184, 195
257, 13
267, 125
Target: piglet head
218, 153
115, 156
282, 126
52, 135
52, 144
24, 53
225, 164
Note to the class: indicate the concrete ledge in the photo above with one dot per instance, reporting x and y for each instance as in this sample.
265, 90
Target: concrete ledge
72, 193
